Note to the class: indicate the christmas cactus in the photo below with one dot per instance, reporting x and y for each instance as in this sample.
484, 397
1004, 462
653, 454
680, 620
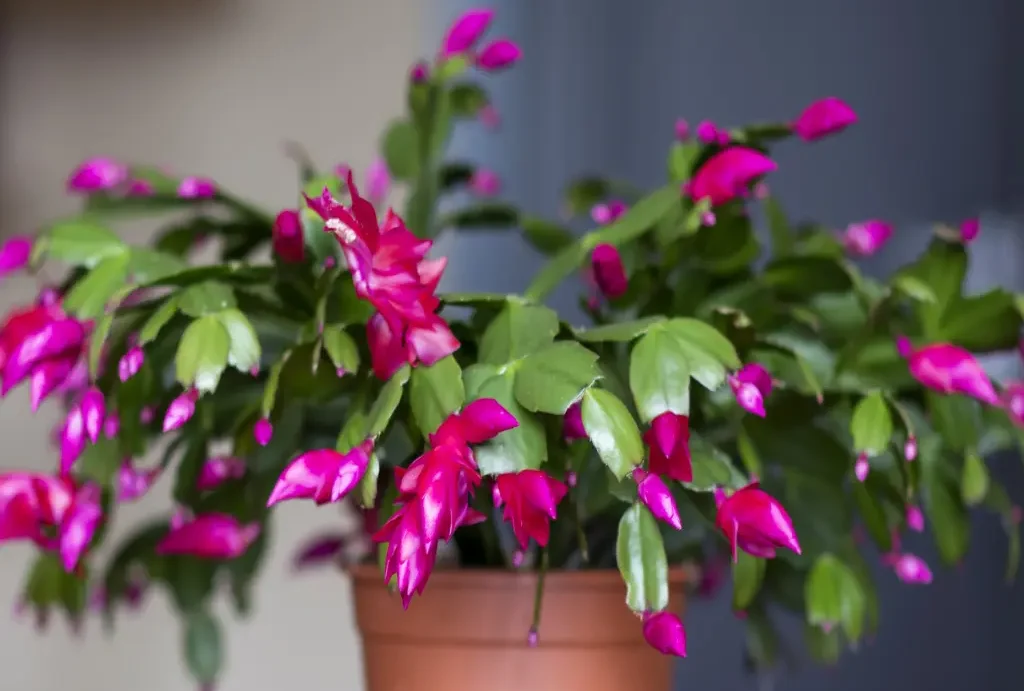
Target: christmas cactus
773, 410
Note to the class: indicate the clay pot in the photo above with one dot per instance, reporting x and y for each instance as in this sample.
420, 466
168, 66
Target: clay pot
468, 632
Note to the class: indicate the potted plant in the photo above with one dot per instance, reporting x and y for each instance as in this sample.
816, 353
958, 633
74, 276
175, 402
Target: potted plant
538, 494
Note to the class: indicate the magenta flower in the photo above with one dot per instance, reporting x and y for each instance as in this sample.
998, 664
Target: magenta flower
111, 425
263, 431
498, 55
707, 132
609, 272
465, 31
948, 369
728, 174
287, 239
94, 411
323, 475
751, 385
326, 548
530, 499
484, 183
866, 238
915, 518
79, 525
664, 632
218, 470
572, 423
130, 363
96, 175
14, 254
210, 536
197, 188
48, 377
911, 569
32, 507
910, 448
603, 214
668, 441
969, 230
822, 118
133, 483
72, 439
140, 188
181, 410
682, 130
754, 521
37, 336
861, 467
656, 496
1013, 402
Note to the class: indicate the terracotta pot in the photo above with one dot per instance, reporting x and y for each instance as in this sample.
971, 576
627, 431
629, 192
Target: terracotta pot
468, 631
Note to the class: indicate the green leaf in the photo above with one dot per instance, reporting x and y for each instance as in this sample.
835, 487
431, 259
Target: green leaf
913, 287
100, 462
612, 431
473, 299
158, 320
974, 481
583, 194
435, 392
88, 298
202, 354
778, 227
550, 379
637, 220
467, 100
947, 518
244, 352
659, 375
834, 596
486, 216
873, 513
806, 276
517, 449
147, 265
544, 236
640, 554
711, 468
401, 147
341, 349
982, 323
96, 341
942, 268
703, 337
368, 483
517, 331
387, 402
747, 576
561, 265
273, 382
618, 332
204, 652
454, 174
871, 425
208, 297
681, 160
353, 432
82, 241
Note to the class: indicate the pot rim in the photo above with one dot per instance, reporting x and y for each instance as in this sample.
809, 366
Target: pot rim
503, 579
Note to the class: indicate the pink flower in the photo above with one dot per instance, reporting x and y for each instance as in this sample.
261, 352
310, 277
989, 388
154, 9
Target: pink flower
668, 441
609, 272
40, 337
484, 183
911, 569
390, 270
707, 132
682, 130
111, 425
866, 238
419, 72
572, 423
751, 385
96, 175
754, 521
72, 439
1013, 402
79, 525
133, 483
915, 519
378, 181
910, 448
210, 536
948, 369
140, 188
263, 431
287, 238
603, 214
32, 506
861, 467
326, 548
530, 499
197, 188
969, 230
664, 632
498, 55
94, 411
323, 475
728, 174
465, 31
218, 470
180, 410
822, 118
130, 363
14, 254
655, 495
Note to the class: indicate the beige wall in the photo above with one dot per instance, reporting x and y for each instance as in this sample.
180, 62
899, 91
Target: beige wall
210, 87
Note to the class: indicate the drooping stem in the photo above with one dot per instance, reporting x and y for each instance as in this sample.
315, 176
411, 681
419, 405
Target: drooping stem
538, 596
581, 536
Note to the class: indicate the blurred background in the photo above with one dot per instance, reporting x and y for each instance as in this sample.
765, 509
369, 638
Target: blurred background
215, 87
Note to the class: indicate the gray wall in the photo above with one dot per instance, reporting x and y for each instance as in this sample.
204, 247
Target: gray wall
940, 90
